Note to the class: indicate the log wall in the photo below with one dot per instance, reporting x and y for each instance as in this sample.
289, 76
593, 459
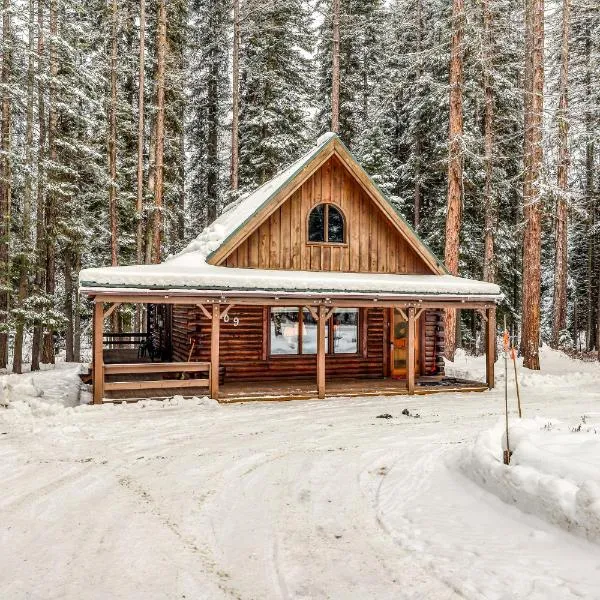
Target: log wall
373, 244
244, 351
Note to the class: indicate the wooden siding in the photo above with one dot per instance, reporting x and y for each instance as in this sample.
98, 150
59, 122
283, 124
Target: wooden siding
373, 244
243, 348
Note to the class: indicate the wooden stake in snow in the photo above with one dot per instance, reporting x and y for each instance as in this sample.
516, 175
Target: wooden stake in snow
506, 347
513, 353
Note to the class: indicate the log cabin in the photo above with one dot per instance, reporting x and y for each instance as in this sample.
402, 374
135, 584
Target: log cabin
312, 285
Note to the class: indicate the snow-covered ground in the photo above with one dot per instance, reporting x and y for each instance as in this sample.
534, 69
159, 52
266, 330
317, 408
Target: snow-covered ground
307, 499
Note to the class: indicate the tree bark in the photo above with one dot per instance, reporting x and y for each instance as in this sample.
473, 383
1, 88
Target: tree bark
69, 336
235, 99
335, 71
534, 85
51, 200
139, 207
36, 344
27, 195
559, 321
417, 126
112, 140
489, 204
455, 165
5, 183
161, 49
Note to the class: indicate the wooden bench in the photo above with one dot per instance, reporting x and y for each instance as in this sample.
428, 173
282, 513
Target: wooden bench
172, 368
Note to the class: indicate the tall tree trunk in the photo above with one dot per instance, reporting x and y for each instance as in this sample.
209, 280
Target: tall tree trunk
5, 183
455, 165
489, 204
28, 193
36, 344
212, 145
417, 127
161, 49
335, 71
559, 321
530, 336
70, 333
112, 140
51, 200
235, 98
139, 207
589, 181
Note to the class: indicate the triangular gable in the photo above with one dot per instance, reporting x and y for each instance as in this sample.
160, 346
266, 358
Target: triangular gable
253, 210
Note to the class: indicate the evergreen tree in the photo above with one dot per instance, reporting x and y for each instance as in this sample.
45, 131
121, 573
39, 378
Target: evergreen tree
275, 88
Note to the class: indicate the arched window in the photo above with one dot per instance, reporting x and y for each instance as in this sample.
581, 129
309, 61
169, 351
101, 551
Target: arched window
326, 224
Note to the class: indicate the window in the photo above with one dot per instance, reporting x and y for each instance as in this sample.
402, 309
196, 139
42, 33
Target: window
294, 331
326, 225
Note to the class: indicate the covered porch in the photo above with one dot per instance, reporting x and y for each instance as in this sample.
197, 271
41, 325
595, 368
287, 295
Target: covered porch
115, 375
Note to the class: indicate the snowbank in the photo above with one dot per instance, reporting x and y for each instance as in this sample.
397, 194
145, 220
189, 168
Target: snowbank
42, 393
554, 471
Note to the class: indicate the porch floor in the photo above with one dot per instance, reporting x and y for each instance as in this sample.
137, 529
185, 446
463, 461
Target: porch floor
306, 389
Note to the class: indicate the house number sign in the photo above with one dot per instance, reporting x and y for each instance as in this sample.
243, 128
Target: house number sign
236, 320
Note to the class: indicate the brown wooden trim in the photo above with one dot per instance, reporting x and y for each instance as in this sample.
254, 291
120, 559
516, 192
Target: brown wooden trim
265, 212
111, 310
321, 353
266, 345
348, 161
172, 367
363, 331
490, 351
214, 352
204, 311
226, 310
276, 300
159, 384
98, 357
411, 351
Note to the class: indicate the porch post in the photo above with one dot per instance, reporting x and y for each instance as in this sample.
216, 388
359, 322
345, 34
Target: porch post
411, 350
98, 357
321, 352
214, 352
490, 351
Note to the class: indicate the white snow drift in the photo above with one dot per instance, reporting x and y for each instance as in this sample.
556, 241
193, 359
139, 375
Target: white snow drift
554, 471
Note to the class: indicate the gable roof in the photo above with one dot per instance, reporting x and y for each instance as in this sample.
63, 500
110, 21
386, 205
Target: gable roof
196, 269
244, 216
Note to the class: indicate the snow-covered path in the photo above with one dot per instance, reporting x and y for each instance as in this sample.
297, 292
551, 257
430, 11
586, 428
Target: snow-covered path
277, 500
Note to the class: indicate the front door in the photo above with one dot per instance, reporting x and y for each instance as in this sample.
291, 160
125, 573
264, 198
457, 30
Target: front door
399, 350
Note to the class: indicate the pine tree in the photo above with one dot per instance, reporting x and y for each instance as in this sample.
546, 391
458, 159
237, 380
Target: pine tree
207, 127
533, 156
275, 88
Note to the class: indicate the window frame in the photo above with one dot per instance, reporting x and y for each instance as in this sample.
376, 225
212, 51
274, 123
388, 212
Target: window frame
326, 241
330, 339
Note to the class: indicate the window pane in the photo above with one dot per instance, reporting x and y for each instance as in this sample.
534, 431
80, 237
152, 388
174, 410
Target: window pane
316, 224
345, 330
284, 330
309, 334
335, 226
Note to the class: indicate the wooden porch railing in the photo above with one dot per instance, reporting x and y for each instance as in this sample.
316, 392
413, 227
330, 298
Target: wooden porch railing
150, 369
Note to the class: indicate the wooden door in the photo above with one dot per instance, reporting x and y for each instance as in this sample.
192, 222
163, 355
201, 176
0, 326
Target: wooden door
399, 345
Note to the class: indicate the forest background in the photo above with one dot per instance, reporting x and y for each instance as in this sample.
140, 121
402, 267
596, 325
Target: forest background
126, 126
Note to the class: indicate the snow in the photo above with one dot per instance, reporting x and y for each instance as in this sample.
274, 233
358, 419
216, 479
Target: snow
190, 271
304, 499
554, 470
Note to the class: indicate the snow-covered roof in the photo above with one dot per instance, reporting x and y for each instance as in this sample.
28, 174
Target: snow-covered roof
239, 212
189, 271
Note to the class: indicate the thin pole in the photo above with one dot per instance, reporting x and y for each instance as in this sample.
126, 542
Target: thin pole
514, 357
506, 345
